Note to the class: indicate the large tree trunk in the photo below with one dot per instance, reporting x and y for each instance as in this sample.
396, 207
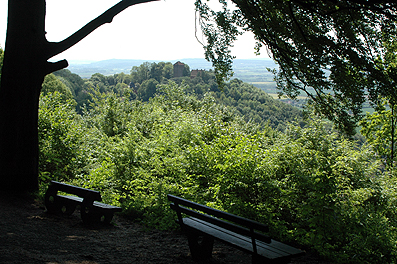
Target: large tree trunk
22, 76
24, 67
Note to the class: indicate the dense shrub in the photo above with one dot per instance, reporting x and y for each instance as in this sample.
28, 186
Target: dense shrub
309, 184
60, 135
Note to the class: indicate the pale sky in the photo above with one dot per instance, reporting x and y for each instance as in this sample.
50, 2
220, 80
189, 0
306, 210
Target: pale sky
163, 30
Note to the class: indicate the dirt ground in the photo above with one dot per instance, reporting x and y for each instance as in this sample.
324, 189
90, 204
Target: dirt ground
29, 235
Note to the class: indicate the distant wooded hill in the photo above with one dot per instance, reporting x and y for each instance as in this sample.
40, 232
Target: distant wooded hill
244, 99
252, 71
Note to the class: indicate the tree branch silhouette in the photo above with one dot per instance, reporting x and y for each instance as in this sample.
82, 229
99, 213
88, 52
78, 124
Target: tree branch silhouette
106, 17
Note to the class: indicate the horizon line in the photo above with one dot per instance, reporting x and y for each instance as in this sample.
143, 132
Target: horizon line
154, 60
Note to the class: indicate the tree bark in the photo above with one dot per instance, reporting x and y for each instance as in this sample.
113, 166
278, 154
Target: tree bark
21, 80
24, 67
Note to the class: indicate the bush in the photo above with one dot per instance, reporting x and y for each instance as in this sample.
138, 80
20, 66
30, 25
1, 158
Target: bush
309, 184
60, 135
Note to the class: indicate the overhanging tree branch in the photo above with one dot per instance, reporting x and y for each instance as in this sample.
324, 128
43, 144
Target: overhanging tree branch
51, 67
106, 17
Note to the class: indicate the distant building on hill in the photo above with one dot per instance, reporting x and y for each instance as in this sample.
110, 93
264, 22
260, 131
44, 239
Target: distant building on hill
194, 73
178, 69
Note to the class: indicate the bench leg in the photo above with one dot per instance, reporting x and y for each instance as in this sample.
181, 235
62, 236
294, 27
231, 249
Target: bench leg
51, 203
53, 208
200, 245
89, 215
68, 209
55, 205
107, 218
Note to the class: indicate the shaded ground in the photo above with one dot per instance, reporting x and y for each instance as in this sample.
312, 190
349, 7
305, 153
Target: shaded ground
29, 235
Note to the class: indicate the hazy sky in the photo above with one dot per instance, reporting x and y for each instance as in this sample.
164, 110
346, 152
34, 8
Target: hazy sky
163, 30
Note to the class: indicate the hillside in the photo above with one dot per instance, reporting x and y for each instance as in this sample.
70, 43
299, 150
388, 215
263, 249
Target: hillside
241, 98
253, 71
146, 134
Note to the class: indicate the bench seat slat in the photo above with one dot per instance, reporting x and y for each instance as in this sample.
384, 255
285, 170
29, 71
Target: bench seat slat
79, 200
226, 225
286, 249
69, 198
107, 206
272, 250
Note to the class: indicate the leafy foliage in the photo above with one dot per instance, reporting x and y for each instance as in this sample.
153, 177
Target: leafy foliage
241, 98
310, 184
328, 50
51, 84
157, 71
76, 85
60, 135
220, 29
256, 106
379, 129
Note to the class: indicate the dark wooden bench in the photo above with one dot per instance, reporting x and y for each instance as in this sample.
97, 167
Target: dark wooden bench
92, 211
203, 224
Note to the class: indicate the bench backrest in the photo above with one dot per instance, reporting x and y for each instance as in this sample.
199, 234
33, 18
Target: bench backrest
81, 192
225, 220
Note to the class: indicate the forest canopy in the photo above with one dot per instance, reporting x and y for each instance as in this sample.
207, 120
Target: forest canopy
243, 99
310, 184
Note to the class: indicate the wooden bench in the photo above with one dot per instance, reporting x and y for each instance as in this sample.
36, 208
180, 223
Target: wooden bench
203, 224
92, 211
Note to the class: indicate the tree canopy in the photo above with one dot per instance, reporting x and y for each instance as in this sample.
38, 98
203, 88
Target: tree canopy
252, 103
332, 51
309, 184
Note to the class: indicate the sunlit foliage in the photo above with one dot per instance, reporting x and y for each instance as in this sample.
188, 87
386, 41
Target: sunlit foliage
311, 185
